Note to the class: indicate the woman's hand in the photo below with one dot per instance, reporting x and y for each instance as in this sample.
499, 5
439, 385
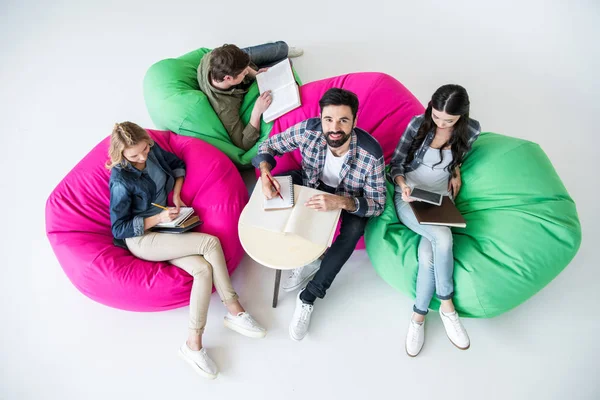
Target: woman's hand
455, 183
177, 202
406, 191
168, 215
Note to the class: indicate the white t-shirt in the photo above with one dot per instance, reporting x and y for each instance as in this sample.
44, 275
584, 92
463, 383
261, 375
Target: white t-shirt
333, 166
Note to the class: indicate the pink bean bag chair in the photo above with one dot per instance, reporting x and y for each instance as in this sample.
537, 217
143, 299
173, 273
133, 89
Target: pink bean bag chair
78, 226
385, 109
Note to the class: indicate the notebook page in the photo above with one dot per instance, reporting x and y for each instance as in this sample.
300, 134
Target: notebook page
184, 213
315, 226
256, 216
287, 192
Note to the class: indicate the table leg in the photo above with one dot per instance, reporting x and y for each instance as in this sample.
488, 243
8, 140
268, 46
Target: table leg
276, 289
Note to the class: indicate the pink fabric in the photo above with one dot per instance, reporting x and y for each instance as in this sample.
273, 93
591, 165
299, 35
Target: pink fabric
385, 109
78, 226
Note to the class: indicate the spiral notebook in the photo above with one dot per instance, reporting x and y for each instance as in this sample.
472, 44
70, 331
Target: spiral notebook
287, 192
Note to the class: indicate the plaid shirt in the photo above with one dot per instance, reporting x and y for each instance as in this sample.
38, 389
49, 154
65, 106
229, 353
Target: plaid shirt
362, 175
399, 167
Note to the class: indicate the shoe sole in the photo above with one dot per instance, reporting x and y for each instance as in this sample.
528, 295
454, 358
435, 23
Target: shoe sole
196, 368
457, 346
299, 285
245, 332
410, 355
292, 335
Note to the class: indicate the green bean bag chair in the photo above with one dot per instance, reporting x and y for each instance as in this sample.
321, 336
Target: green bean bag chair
522, 230
175, 103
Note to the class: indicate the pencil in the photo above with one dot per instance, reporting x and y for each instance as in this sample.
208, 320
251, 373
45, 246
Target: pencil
159, 206
272, 184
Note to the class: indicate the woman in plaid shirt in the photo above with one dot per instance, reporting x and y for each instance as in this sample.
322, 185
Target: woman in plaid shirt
429, 156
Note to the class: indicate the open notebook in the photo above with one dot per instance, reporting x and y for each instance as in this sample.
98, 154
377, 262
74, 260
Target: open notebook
286, 190
279, 79
184, 214
298, 220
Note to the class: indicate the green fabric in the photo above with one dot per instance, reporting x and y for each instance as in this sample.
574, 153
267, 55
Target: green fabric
175, 103
522, 230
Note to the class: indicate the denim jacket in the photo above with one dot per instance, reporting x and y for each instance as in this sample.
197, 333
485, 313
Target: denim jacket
132, 192
398, 164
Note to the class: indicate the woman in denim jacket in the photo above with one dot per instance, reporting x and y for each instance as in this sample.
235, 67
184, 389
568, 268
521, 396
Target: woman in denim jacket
429, 156
142, 173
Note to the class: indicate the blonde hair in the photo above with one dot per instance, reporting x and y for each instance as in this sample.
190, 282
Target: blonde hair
124, 135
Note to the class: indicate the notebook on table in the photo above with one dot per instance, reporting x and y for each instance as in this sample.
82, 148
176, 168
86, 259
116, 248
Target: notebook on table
279, 79
286, 190
445, 214
298, 219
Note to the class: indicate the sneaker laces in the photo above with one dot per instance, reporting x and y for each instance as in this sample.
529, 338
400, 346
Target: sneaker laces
414, 331
455, 323
305, 312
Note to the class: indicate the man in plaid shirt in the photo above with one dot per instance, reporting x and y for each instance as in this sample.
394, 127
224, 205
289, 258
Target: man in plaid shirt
342, 160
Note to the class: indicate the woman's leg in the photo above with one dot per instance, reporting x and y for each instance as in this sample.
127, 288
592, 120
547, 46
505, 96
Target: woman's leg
440, 240
164, 246
201, 271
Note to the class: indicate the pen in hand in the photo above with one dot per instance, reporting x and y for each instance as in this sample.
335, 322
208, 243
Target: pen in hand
274, 187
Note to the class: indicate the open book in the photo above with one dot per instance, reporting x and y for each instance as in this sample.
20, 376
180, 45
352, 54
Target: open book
315, 226
279, 79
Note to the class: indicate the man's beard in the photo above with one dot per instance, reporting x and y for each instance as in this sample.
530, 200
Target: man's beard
339, 142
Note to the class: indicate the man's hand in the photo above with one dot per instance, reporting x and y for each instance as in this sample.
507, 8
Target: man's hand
330, 202
262, 103
268, 189
260, 71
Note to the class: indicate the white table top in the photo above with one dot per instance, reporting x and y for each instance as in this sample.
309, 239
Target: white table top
273, 249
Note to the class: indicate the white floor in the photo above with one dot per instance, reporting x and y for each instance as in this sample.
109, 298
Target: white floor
71, 70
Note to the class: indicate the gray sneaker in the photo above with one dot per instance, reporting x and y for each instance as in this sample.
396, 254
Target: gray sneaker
295, 52
300, 276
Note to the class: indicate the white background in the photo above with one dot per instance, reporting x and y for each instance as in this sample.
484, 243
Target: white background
72, 69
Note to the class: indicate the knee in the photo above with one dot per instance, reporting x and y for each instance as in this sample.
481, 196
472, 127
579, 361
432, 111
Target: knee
353, 231
213, 243
201, 268
443, 240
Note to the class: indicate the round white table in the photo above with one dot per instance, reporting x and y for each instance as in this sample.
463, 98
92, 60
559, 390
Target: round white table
272, 249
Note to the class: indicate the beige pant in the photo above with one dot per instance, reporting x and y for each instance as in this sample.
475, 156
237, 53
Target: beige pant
198, 254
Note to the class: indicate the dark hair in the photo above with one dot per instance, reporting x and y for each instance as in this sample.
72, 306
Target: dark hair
339, 97
453, 100
227, 60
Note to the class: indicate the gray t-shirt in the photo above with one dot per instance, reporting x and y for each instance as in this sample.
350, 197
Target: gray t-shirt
429, 176
159, 177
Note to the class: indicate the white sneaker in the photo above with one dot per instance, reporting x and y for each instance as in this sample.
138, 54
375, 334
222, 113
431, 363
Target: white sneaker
200, 361
455, 330
300, 276
300, 320
415, 338
295, 52
244, 324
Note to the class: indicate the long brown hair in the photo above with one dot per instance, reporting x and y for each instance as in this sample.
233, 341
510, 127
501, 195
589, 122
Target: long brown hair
124, 135
453, 100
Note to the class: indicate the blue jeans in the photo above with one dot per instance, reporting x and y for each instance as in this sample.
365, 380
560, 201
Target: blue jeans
352, 229
268, 54
436, 261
